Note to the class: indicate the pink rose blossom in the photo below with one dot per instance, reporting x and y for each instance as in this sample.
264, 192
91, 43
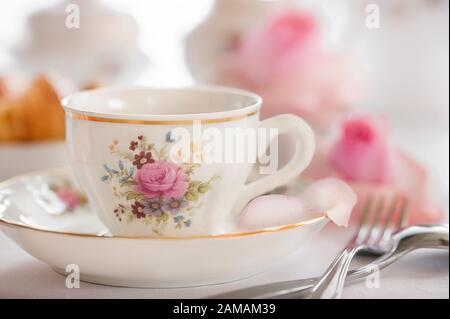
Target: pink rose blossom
287, 40
363, 152
364, 138
283, 61
409, 179
320, 92
161, 178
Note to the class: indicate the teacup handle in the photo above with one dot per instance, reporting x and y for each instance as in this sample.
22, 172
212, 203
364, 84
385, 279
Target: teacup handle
304, 151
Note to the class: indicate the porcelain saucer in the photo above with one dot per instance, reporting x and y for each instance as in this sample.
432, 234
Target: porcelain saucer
45, 214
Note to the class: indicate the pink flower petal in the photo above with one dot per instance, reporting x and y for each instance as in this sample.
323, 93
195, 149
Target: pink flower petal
410, 179
411, 182
330, 196
274, 210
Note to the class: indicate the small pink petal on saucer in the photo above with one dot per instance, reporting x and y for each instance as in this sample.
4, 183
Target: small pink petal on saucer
330, 196
274, 210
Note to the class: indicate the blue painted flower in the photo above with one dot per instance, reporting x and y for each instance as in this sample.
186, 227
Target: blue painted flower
174, 205
178, 219
153, 208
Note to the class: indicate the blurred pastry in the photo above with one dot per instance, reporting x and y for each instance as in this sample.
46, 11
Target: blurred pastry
92, 85
34, 115
3, 89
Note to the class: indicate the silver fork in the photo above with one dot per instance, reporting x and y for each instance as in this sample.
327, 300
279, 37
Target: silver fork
404, 241
374, 234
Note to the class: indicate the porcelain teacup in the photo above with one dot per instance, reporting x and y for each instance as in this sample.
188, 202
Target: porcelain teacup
145, 159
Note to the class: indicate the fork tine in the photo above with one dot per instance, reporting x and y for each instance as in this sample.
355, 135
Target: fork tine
362, 229
403, 220
374, 231
387, 227
399, 206
365, 210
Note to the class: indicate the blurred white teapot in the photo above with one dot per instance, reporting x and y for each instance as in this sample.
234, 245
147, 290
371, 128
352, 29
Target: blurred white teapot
83, 40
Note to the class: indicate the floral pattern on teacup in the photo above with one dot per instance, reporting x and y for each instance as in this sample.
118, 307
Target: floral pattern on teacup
153, 189
71, 197
57, 197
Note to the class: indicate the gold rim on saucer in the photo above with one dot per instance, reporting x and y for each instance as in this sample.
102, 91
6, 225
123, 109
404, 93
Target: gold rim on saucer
62, 171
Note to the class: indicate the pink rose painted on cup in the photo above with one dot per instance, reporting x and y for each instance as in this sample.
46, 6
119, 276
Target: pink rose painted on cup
363, 152
161, 179
151, 190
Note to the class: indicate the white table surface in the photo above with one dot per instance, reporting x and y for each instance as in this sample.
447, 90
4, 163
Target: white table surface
422, 274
